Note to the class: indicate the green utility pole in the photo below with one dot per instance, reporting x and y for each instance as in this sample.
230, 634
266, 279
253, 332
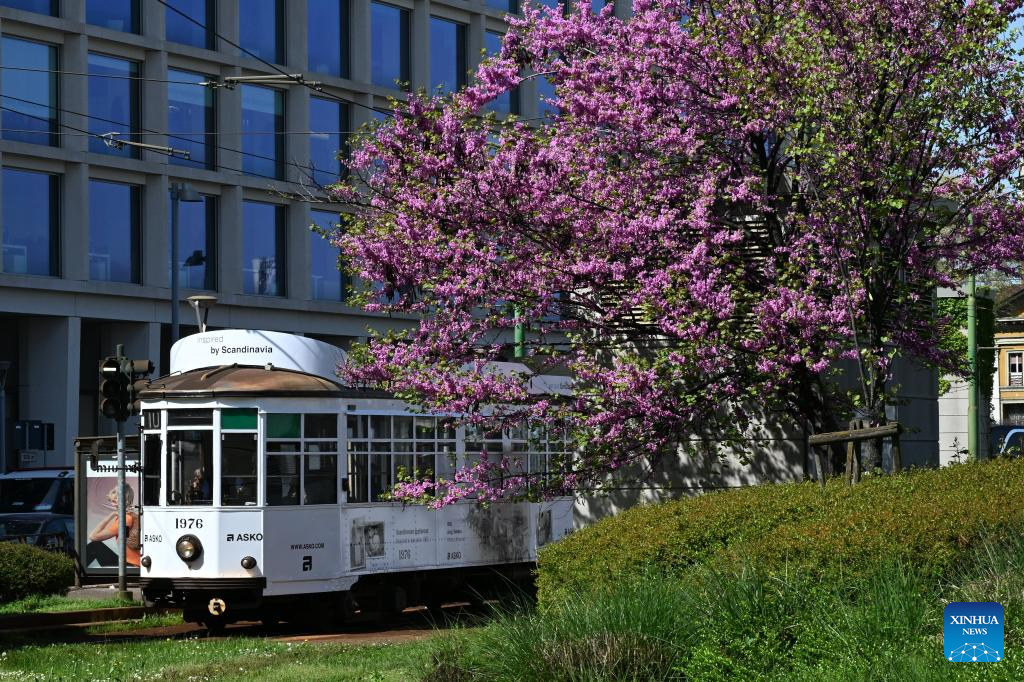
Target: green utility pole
972, 359
520, 335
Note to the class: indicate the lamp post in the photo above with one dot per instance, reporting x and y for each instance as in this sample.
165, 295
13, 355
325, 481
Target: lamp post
180, 191
203, 303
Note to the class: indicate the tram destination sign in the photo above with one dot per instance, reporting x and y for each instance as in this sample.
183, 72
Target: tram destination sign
256, 348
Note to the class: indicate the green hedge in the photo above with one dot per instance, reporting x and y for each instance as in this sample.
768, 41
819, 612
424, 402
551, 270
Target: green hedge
926, 518
27, 570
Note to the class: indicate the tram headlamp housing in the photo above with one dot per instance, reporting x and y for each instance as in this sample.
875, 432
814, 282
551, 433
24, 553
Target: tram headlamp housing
248, 562
188, 548
146, 562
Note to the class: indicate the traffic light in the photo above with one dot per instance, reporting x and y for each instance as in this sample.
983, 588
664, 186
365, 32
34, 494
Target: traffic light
114, 391
138, 370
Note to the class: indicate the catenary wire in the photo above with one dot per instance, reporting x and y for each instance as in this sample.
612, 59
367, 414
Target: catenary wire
143, 130
299, 81
222, 167
60, 72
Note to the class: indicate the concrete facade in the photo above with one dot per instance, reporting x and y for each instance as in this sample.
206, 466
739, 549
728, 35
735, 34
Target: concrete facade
1008, 384
54, 330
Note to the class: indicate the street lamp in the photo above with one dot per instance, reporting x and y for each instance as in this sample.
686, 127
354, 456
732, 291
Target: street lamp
180, 191
204, 303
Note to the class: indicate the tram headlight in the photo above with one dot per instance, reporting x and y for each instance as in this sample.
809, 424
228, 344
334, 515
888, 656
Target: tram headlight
188, 548
146, 562
248, 562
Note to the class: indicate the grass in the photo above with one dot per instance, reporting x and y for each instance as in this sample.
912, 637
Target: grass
230, 659
746, 624
58, 603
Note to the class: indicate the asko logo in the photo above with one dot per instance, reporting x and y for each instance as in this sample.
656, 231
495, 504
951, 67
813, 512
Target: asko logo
244, 537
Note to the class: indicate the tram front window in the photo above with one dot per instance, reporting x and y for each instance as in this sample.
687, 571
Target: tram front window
238, 469
190, 467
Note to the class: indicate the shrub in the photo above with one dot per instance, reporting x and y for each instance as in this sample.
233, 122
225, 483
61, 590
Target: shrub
27, 570
925, 518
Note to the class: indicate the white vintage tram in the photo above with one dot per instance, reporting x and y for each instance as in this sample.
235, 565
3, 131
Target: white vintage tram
262, 478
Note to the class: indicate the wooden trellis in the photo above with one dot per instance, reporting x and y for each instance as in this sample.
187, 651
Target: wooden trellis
853, 437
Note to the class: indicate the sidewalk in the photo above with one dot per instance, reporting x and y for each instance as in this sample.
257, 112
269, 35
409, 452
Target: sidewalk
102, 592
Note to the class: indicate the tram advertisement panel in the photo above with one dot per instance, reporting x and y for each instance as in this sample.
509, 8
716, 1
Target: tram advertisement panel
98, 530
395, 538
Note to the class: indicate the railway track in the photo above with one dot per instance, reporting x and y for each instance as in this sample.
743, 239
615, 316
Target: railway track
412, 624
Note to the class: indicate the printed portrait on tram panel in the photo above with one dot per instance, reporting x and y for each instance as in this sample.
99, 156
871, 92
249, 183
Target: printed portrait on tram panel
374, 534
357, 551
502, 530
543, 528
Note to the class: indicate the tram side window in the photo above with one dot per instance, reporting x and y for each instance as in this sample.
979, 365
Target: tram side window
387, 449
320, 458
358, 465
282, 473
238, 469
479, 442
190, 467
310, 474
151, 470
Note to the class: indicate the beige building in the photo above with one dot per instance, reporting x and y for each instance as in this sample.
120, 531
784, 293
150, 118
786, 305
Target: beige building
1008, 388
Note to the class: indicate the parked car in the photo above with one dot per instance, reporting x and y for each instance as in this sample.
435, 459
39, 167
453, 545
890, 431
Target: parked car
1008, 440
49, 531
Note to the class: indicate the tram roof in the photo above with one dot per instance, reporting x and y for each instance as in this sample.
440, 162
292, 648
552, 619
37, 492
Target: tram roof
241, 380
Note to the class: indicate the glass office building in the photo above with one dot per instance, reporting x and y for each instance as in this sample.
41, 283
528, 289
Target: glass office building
85, 216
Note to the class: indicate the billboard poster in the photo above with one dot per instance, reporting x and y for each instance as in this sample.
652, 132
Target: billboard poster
98, 527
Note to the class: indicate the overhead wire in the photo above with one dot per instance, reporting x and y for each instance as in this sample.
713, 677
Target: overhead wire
271, 65
306, 170
61, 72
148, 131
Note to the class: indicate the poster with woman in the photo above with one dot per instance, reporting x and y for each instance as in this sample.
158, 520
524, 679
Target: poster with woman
101, 523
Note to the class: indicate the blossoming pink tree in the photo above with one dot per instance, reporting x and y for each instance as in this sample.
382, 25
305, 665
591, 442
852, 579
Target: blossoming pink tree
733, 196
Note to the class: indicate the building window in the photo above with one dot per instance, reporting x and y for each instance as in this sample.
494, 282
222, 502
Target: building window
508, 6
261, 28
179, 29
327, 36
507, 103
113, 103
197, 243
447, 55
328, 121
29, 97
115, 214
263, 249
31, 211
119, 15
38, 6
389, 44
190, 116
1015, 363
262, 131
545, 93
1013, 414
328, 281
313, 438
